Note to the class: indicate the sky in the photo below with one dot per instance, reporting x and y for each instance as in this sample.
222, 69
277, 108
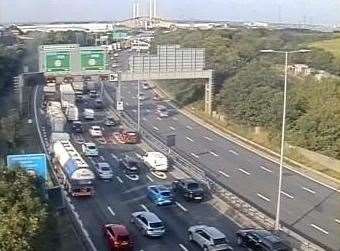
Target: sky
289, 11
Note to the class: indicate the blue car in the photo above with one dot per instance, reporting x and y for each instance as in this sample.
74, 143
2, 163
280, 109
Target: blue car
160, 195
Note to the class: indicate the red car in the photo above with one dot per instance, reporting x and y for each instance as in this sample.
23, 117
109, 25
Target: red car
118, 237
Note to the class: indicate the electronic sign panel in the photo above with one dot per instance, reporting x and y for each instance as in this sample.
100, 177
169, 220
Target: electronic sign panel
58, 61
92, 60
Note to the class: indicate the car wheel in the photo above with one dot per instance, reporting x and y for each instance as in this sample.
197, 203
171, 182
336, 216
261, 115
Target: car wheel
132, 221
145, 233
205, 248
239, 240
190, 237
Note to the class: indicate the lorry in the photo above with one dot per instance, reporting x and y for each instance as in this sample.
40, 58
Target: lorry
72, 113
56, 116
78, 86
58, 136
124, 136
71, 170
67, 95
91, 86
156, 161
50, 92
88, 114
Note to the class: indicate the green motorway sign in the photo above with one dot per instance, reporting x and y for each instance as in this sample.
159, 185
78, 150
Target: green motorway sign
92, 60
58, 61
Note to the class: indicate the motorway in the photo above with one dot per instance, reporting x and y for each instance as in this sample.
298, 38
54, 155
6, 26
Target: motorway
309, 207
115, 200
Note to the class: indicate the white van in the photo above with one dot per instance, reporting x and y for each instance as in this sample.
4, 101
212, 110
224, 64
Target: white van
88, 113
156, 161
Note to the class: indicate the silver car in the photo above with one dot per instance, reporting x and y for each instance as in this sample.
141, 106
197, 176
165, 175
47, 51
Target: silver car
148, 223
208, 238
104, 170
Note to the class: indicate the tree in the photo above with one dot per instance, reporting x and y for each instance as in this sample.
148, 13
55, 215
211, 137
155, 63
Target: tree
22, 213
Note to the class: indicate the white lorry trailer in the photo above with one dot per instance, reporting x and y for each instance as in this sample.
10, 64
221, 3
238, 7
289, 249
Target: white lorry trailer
72, 113
67, 95
156, 161
72, 171
56, 116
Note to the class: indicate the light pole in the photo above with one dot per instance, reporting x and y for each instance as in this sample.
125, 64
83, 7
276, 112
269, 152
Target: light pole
138, 101
278, 205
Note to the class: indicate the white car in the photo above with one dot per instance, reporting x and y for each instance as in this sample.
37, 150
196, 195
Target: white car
89, 149
162, 111
96, 131
209, 238
145, 86
104, 170
141, 97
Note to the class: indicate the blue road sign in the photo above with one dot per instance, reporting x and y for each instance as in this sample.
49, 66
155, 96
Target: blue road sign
30, 162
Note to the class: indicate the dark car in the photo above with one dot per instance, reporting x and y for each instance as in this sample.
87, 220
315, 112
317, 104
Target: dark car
261, 240
77, 127
189, 189
118, 237
130, 165
98, 103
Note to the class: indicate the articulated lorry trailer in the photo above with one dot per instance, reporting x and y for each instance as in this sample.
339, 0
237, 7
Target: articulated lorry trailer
67, 95
72, 171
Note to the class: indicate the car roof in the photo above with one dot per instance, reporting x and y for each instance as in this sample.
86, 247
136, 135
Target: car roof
161, 188
118, 229
214, 232
103, 164
95, 127
90, 144
188, 180
151, 217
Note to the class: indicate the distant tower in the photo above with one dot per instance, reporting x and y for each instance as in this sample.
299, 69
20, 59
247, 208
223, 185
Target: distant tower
154, 8
150, 9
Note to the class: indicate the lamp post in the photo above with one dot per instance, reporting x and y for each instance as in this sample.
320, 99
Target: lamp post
138, 102
278, 205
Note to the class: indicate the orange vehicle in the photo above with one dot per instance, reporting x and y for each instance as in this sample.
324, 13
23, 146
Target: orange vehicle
127, 136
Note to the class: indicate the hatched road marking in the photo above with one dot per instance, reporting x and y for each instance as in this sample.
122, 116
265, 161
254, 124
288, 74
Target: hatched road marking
145, 208
172, 128
233, 152
195, 155
149, 178
263, 197
183, 247
189, 127
212, 153
111, 211
155, 128
207, 138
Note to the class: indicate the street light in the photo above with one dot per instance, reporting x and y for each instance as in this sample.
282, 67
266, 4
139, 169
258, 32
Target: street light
278, 206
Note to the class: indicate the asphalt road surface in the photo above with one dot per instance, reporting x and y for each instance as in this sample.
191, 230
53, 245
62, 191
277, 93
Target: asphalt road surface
311, 208
116, 200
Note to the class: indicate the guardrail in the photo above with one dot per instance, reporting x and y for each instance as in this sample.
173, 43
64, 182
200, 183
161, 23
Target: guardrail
195, 169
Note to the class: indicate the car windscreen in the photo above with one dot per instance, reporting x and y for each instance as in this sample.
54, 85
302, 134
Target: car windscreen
193, 186
123, 237
105, 168
156, 224
91, 147
220, 241
166, 194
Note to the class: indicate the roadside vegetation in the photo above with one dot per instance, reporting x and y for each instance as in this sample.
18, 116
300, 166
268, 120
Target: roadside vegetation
249, 85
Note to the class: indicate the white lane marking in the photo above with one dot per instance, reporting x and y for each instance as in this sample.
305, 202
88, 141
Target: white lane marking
190, 139
233, 152
149, 178
158, 118
102, 157
172, 128
207, 138
156, 128
181, 206
189, 127
126, 103
147, 110
183, 247
309, 190
244, 171
212, 153
263, 197
144, 119
224, 174
319, 228
114, 157
337, 221
266, 169
119, 179
111, 211
92, 161
287, 194
174, 118
145, 208
134, 110
195, 155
